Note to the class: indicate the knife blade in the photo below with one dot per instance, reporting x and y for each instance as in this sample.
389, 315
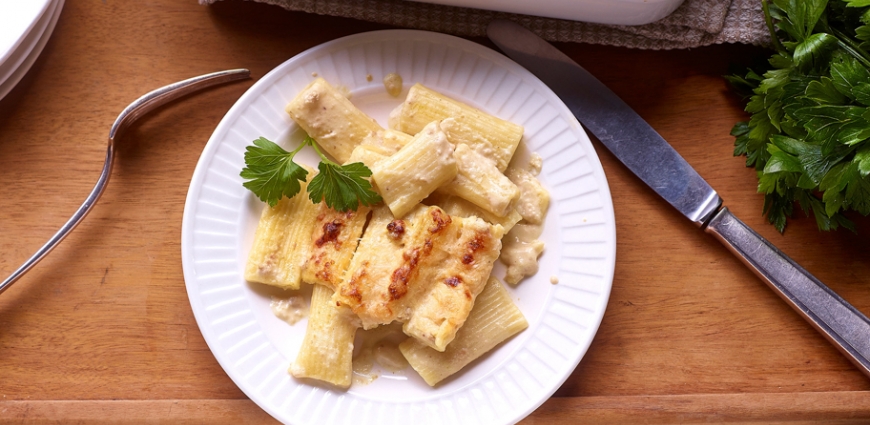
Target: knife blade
649, 156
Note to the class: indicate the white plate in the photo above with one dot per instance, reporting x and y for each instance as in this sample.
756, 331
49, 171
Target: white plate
28, 50
255, 348
17, 20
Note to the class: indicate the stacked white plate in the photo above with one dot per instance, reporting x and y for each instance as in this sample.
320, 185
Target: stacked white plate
25, 27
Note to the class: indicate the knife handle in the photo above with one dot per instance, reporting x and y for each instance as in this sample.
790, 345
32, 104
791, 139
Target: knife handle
836, 319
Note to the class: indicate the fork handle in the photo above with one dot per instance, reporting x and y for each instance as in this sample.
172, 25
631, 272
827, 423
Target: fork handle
843, 325
131, 113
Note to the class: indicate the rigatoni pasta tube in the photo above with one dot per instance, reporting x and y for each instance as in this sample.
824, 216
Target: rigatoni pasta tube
456, 206
332, 244
368, 155
454, 258
281, 241
415, 171
331, 119
366, 287
494, 319
387, 141
462, 123
327, 349
480, 182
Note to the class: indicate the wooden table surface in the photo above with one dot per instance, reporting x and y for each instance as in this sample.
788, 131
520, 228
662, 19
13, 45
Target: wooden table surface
102, 329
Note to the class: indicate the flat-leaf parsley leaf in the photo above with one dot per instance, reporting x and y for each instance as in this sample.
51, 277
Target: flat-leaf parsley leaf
808, 136
271, 174
341, 187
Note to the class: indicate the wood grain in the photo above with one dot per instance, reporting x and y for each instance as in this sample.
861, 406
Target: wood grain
769, 408
102, 331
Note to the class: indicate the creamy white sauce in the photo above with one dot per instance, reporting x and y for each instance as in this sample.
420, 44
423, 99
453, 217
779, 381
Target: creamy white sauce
533, 201
393, 84
379, 346
520, 250
268, 269
290, 310
535, 163
521, 247
388, 356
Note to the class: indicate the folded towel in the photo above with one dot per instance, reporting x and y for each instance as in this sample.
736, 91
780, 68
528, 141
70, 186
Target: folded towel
695, 23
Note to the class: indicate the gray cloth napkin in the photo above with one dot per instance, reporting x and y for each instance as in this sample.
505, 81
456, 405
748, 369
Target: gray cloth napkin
695, 23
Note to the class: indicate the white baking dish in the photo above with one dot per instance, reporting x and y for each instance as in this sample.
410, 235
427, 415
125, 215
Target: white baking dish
615, 12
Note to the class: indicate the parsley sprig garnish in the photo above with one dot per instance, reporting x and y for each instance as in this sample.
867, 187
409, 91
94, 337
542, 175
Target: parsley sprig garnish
271, 174
809, 132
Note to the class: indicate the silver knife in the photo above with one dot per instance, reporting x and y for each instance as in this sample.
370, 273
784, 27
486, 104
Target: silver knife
652, 159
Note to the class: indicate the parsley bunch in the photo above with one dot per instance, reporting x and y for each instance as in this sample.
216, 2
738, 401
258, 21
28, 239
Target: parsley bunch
271, 174
809, 132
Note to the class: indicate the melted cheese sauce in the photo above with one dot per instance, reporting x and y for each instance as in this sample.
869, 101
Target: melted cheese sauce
520, 251
380, 346
290, 310
393, 84
534, 199
521, 247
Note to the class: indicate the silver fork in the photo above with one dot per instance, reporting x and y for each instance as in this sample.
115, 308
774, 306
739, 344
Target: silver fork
130, 114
